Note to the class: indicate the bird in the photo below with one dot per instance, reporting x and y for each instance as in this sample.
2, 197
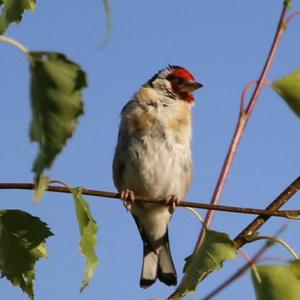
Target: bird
153, 159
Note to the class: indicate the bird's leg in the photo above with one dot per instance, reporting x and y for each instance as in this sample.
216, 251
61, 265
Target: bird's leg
127, 197
172, 201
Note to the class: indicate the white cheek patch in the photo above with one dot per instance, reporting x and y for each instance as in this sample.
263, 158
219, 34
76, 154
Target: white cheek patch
162, 84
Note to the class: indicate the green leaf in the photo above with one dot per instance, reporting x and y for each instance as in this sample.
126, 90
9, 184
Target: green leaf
88, 231
288, 88
13, 10
40, 188
215, 249
278, 282
287, 4
56, 100
22, 238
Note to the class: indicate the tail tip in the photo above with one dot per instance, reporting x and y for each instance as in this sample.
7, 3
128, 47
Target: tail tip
145, 283
168, 278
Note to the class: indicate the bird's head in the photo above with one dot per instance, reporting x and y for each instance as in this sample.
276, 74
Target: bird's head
175, 82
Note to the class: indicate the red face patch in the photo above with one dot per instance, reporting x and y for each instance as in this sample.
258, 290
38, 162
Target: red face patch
187, 97
177, 78
183, 73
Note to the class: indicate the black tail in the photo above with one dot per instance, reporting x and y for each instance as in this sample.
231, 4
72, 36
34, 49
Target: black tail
158, 264
149, 268
166, 269
157, 261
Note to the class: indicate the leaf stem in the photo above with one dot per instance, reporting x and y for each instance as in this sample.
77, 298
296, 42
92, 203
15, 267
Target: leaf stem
279, 241
108, 16
61, 183
14, 43
195, 213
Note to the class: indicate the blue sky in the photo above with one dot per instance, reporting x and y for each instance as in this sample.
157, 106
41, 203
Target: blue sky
224, 44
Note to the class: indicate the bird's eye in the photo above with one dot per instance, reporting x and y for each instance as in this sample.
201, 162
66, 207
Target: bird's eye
179, 80
171, 77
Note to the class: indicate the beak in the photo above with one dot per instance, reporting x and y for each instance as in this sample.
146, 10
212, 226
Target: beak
190, 86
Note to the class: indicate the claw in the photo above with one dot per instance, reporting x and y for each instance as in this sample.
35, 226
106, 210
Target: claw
127, 197
173, 202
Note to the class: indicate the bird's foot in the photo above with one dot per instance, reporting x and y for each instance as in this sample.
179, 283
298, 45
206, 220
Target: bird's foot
173, 202
127, 196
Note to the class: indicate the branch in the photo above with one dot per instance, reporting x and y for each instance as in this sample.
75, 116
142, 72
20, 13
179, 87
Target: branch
292, 189
244, 117
242, 238
290, 214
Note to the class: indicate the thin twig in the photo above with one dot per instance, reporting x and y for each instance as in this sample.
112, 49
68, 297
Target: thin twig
241, 125
244, 117
248, 259
226, 208
292, 15
243, 120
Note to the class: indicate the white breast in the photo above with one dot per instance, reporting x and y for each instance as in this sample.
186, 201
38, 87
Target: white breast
159, 156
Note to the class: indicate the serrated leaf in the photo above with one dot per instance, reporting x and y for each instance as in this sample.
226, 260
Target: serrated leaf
288, 88
56, 100
278, 282
89, 232
215, 249
12, 11
22, 238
